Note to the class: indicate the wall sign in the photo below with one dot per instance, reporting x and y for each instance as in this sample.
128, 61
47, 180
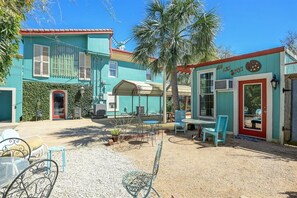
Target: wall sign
253, 66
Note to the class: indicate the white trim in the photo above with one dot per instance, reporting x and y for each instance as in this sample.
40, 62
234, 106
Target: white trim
51, 103
213, 70
268, 77
282, 98
115, 69
109, 95
13, 102
41, 61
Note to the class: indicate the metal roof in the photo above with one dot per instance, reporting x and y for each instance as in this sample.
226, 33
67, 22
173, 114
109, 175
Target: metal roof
129, 88
65, 31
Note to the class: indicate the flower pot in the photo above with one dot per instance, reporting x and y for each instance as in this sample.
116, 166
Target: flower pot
115, 138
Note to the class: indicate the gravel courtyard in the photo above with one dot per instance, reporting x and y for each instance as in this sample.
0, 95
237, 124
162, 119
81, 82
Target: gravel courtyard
241, 168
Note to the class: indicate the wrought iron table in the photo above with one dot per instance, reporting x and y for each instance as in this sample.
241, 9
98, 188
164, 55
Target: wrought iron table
10, 167
152, 134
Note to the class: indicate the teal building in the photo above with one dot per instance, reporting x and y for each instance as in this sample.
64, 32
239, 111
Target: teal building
252, 89
66, 73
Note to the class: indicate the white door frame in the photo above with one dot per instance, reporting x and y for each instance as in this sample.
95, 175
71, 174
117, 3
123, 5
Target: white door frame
268, 77
13, 101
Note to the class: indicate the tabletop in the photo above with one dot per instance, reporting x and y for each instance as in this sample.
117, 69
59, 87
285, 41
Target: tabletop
10, 167
198, 121
151, 122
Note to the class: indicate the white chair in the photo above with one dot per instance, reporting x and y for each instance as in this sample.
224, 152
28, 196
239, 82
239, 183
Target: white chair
38, 148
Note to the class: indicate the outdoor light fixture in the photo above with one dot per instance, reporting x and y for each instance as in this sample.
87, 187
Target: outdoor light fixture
82, 90
274, 81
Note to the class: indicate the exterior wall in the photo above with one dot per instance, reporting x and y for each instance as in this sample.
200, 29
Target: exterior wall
98, 47
14, 83
236, 69
99, 43
136, 72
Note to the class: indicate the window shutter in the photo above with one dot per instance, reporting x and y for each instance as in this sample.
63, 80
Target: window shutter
88, 67
37, 60
45, 61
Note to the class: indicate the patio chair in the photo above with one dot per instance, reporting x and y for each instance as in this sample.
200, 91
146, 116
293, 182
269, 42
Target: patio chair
219, 132
37, 146
37, 180
179, 125
140, 183
15, 147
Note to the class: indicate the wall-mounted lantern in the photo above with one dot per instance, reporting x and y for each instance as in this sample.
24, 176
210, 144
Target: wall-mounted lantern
274, 81
82, 90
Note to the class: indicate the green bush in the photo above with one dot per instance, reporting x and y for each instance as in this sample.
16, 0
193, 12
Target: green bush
39, 91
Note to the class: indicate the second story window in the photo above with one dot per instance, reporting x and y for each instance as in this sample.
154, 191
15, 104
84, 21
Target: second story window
41, 61
148, 74
84, 66
113, 69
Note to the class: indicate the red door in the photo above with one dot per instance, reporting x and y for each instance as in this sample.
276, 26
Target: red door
252, 108
58, 105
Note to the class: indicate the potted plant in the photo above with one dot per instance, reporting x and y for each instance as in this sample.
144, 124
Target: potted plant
115, 134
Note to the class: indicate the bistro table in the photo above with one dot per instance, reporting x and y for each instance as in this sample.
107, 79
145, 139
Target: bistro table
10, 167
152, 123
198, 122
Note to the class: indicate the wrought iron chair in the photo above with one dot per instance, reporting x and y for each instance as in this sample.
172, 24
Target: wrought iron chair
220, 129
179, 125
37, 180
139, 183
15, 147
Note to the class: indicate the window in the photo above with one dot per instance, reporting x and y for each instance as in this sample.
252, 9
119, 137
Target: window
113, 69
84, 66
64, 60
111, 104
206, 94
148, 74
41, 61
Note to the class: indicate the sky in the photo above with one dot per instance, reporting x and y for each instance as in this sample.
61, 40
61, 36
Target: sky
246, 25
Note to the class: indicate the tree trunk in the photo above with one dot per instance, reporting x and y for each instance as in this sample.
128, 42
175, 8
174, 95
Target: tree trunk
174, 89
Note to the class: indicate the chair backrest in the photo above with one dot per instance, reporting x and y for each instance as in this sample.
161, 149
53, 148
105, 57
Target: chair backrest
10, 133
179, 115
37, 180
157, 160
15, 147
221, 124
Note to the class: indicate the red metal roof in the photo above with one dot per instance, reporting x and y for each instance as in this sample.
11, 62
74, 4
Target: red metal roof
234, 58
64, 31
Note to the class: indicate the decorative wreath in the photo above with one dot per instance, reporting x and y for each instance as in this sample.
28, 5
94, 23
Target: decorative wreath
253, 66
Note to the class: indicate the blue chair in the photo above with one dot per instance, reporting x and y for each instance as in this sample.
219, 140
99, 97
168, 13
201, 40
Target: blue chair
219, 132
179, 125
140, 183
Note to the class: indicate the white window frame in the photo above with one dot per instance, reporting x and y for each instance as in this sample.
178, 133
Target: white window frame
116, 70
148, 71
41, 61
198, 92
85, 66
110, 98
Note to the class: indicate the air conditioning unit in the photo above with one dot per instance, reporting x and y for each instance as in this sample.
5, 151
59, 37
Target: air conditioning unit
100, 109
139, 110
226, 84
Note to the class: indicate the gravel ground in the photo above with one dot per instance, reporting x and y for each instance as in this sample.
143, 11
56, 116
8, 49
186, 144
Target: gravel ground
92, 172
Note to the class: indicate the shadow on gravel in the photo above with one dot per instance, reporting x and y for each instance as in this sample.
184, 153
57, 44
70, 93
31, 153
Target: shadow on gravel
84, 135
290, 194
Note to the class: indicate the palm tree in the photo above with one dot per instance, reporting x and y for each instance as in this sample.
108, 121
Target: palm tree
175, 32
